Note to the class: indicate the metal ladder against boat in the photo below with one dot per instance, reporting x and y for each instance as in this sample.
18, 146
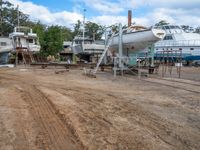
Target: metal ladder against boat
104, 53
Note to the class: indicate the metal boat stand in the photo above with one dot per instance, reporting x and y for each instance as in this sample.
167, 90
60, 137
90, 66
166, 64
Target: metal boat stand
120, 61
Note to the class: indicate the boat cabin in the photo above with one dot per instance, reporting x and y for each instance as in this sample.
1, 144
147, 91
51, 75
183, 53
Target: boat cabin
177, 39
23, 37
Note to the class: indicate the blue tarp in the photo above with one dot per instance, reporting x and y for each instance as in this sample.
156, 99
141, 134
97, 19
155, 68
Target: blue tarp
190, 58
4, 57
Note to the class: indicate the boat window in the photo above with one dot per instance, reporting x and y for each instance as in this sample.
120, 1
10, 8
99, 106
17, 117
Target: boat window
102, 42
172, 27
191, 48
87, 42
180, 48
167, 27
78, 42
30, 40
66, 46
3, 43
168, 37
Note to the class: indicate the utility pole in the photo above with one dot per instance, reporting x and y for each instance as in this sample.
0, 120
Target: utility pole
18, 15
84, 10
1, 18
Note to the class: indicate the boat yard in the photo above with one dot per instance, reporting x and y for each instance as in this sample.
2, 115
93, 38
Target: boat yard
115, 87
71, 105
44, 110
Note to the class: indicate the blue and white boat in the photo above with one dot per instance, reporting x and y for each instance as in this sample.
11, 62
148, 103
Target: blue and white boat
177, 39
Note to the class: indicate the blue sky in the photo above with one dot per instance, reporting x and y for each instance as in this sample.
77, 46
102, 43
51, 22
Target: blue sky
107, 12
79, 5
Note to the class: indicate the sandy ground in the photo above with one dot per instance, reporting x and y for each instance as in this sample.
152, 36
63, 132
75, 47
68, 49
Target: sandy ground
69, 111
189, 73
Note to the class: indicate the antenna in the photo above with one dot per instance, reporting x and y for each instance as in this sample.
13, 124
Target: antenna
84, 10
18, 15
1, 19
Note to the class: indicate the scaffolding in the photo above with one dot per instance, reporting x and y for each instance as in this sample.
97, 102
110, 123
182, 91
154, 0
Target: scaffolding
122, 63
168, 59
24, 56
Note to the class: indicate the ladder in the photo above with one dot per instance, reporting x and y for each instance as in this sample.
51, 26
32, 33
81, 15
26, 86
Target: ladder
104, 53
30, 56
29, 53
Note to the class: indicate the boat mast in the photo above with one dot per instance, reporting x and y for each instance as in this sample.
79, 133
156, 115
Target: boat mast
18, 15
1, 18
84, 10
120, 49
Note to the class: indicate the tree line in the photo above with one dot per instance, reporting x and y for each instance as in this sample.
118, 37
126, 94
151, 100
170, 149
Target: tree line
186, 28
50, 37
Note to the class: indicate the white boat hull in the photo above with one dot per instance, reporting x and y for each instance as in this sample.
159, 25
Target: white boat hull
138, 40
88, 48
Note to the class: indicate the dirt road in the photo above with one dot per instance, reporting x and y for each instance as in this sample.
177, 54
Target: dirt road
43, 110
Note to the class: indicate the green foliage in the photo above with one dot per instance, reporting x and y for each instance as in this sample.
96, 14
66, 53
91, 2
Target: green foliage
53, 41
8, 18
66, 33
77, 28
39, 28
162, 23
93, 30
187, 28
115, 28
197, 30
51, 38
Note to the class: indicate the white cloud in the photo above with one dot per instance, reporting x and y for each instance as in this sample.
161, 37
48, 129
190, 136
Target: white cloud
161, 3
108, 6
175, 12
104, 6
38, 12
110, 20
175, 16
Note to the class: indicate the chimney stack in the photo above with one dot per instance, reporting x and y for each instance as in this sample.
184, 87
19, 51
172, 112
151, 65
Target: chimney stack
129, 18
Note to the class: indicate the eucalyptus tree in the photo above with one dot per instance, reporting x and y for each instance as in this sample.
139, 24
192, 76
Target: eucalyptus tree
9, 17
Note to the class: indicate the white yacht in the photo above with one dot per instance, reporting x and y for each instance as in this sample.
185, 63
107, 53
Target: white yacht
24, 38
137, 38
177, 39
86, 45
21, 39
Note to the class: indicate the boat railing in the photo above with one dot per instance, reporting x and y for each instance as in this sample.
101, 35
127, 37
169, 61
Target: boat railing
179, 43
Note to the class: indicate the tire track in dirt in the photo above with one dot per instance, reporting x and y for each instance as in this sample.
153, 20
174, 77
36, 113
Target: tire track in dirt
157, 127
174, 84
162, 129
55, 134
102, 120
